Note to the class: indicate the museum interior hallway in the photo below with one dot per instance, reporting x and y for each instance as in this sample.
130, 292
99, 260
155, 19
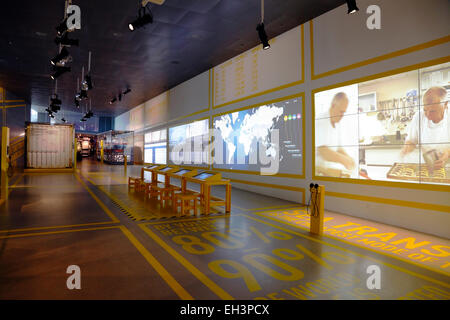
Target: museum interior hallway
128, 248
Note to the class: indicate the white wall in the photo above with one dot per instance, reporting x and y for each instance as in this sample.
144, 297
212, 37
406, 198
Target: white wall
344, 49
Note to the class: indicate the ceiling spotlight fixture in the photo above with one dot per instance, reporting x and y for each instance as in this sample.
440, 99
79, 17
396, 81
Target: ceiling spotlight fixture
352, 8
60, 57
77, 102
59, 71
83, 94
113, 100
127, 91
263, 36
83, 119
62, 27
63, 120
55, 100
142, 19
261, 31
87, 83
65, 41
55, 108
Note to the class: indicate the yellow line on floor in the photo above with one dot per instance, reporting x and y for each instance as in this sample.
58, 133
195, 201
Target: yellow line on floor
22, 235
264, 208
360, 246
167, 277
221, 293
188, 219
101, 204
56, 227
349, 251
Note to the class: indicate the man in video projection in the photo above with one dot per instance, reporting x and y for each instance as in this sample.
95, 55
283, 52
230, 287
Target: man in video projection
432, 125
330, 138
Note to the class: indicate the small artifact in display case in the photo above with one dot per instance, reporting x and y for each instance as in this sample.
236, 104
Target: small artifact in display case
416, 172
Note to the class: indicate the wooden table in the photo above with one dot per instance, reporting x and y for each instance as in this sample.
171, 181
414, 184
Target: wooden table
205, 191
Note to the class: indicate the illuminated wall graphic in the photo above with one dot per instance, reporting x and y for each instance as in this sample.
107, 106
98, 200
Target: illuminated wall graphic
395, 128
194, 138
155, 147
248, 137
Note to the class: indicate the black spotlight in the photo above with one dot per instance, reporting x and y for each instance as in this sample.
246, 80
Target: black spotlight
142, 19
127, 91
83, 94
59, 71
83, 119
89, 115
48, 110
62, 27
263, 36
120, 97
113, 100
77, 102
65, 41
64, 54
55, 100
63, 120
352, 8
54, 108
87, 83
51, 115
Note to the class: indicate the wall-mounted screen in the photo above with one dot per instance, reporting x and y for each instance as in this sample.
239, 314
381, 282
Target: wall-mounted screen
155, 147
188, 143
395, 128
269, 135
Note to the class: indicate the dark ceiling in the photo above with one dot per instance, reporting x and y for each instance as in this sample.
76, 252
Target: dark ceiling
186, 38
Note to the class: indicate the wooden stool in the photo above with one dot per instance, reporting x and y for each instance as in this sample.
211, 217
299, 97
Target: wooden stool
184, 200
151, 190
134, 182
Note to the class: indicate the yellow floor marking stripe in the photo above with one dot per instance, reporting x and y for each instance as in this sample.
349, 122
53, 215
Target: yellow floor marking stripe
221, 293
101, 204
176, 287
188, 219
362, 247
357, 254
273, 207
56, 227
55, 232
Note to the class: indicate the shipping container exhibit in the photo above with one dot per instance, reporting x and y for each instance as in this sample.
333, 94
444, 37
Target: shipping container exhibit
50, 146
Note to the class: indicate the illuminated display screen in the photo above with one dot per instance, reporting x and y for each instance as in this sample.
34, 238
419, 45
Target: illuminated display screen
188, 143
203, 176
181, 172
254, 137
395, 128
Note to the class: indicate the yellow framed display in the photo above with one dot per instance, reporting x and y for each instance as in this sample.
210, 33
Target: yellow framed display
285, 175
396, 184
288, 85
362, 63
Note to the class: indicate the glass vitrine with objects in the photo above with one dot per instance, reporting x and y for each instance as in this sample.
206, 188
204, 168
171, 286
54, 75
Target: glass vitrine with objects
116, 145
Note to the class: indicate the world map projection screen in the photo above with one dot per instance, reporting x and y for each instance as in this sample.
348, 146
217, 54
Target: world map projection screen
253, 136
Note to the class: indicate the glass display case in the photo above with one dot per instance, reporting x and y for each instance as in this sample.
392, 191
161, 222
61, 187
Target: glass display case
116, 144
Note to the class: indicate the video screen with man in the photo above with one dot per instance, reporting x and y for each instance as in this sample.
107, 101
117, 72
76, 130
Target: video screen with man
395, 128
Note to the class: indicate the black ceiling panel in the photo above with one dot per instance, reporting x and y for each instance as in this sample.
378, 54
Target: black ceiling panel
186, 38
